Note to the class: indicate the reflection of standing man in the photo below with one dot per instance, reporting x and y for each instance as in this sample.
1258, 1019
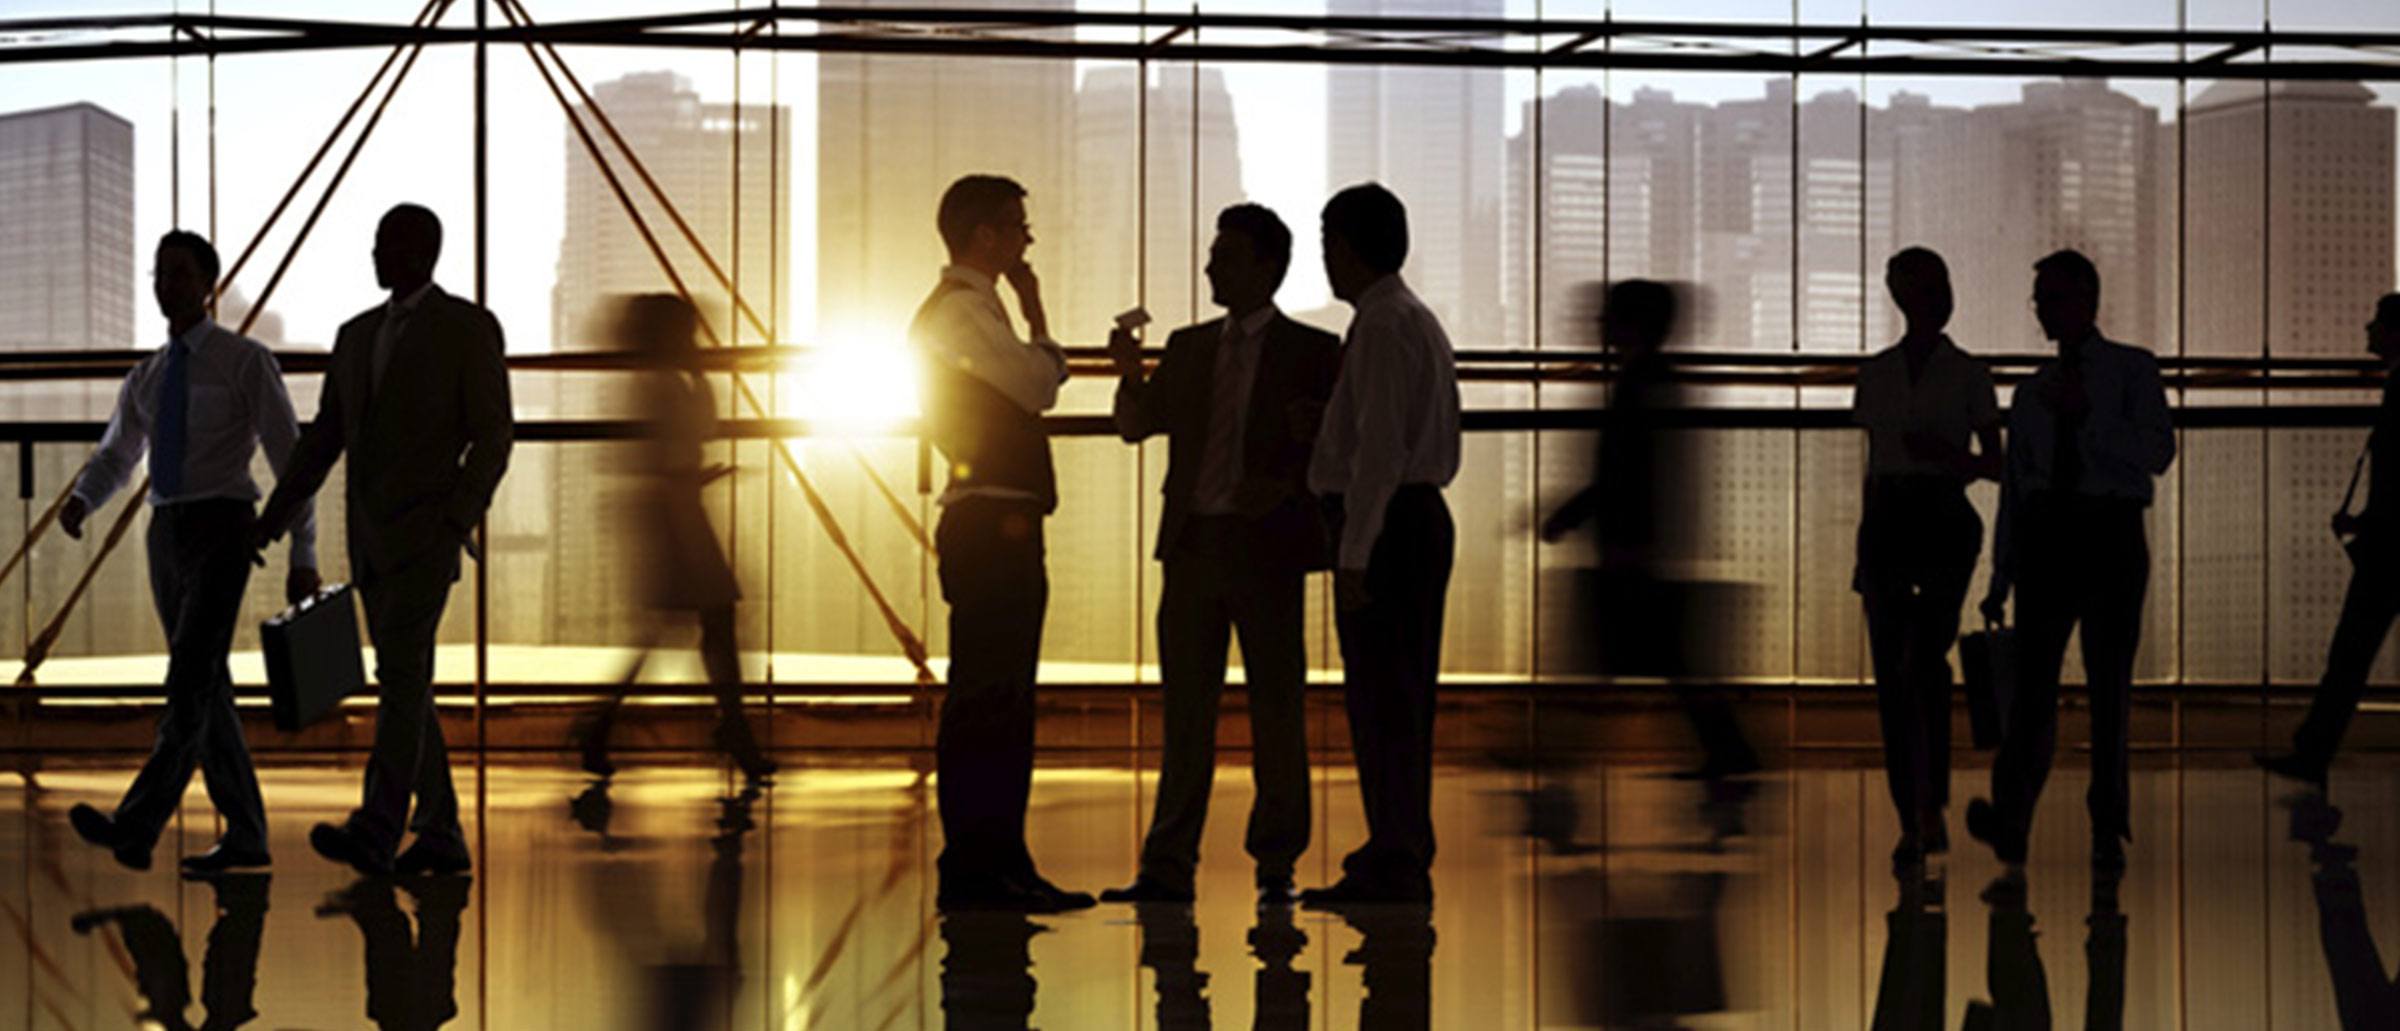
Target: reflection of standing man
2087, 433
1237, 537
2373, 539
1389, 444
202, 405
417, 396
985, 390
1922, 401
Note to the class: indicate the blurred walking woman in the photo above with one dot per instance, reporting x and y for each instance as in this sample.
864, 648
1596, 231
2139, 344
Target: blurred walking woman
679, 565
1922, 401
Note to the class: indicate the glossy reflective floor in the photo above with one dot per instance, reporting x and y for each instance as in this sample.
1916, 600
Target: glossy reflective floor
668, 901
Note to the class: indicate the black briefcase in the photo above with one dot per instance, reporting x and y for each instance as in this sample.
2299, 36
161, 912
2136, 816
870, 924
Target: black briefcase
1990, 660
312, 657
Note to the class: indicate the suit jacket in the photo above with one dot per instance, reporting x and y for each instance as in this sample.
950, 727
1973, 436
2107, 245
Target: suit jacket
427, 450
1295, 362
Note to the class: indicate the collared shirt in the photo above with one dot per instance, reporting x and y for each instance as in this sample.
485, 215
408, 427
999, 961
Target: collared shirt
236, 403
396, 313
1218, 488
1393, 418
2126, 438
970, 330
1950, 398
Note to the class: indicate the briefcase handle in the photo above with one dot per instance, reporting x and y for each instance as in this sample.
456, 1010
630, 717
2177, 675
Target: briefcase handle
303, 605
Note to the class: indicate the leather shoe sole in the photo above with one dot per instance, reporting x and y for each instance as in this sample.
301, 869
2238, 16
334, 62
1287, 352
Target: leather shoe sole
341, 845
221, 859
423, 859
1145, 891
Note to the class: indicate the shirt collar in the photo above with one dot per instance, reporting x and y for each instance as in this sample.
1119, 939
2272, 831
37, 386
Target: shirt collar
191, 338
1382, 290
1250, 325
403, 307
971, 277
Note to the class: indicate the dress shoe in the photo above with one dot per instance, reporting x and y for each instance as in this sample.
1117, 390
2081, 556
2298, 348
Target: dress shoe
222, 858
2295, 766
1985, 825
1143, 889
432, 856
994, 894
100, 829
1059, 899
1277, 891
735, 739
345, 846
1352, 891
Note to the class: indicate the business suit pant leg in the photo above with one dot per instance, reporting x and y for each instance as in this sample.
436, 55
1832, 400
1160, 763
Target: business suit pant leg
1195, 625
410, 761
1270, 612
2050, 596
199, 567
2367, 613
994, 579
1391, 658
2119, 557
1917, 552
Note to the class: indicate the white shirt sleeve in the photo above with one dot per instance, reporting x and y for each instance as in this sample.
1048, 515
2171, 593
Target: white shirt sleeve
976, 337
1376, 377
278, 429
121, 447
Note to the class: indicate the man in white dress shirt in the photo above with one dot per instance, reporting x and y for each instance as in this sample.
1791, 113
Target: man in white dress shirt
985, 390
1387, 446
200, 406
2087, 434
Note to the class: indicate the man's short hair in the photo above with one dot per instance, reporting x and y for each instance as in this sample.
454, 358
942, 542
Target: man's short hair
974, 200
1270, 240
2387, 310
203, 253
1373, 222
420, 225
1644, 305
1921, 263
2072, 266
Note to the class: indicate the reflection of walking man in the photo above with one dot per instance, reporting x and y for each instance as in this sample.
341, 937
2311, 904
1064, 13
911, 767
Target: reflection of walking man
1237, 537
417, 396
1388, 446
1921, 401
2087, 433
2373, 539
201, 406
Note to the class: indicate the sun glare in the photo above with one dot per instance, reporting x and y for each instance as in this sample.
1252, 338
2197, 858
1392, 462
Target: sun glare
858, 381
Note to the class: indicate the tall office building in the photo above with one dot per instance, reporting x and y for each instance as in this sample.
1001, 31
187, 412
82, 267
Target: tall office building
688, 146
67, 283
1145, 239
2289, 233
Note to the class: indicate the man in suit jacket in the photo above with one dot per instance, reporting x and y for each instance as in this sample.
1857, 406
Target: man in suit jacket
418, 396
1235, 396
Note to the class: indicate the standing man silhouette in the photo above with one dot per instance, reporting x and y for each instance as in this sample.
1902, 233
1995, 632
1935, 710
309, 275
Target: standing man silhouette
2373, 539
417, 396
1922, 401
1389, 444
985, 392
2087, 433
202, 405
1238, 535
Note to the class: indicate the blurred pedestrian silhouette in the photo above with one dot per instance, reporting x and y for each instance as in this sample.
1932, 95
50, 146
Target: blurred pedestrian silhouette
2372, 538
681, 567
1387, 446
417, 397
2365, 992
412, 978
1651, 614
1238, 535
200, 406
1922, 401
229, 971
698, 989
2086, 434
985, 392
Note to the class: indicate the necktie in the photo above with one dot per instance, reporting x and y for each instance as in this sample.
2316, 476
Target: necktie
174, 407
2067, 464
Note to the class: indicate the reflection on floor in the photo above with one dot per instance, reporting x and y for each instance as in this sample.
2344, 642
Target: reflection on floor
669, 900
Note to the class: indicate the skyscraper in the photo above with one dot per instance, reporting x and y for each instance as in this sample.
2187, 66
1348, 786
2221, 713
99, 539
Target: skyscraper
2289, 235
